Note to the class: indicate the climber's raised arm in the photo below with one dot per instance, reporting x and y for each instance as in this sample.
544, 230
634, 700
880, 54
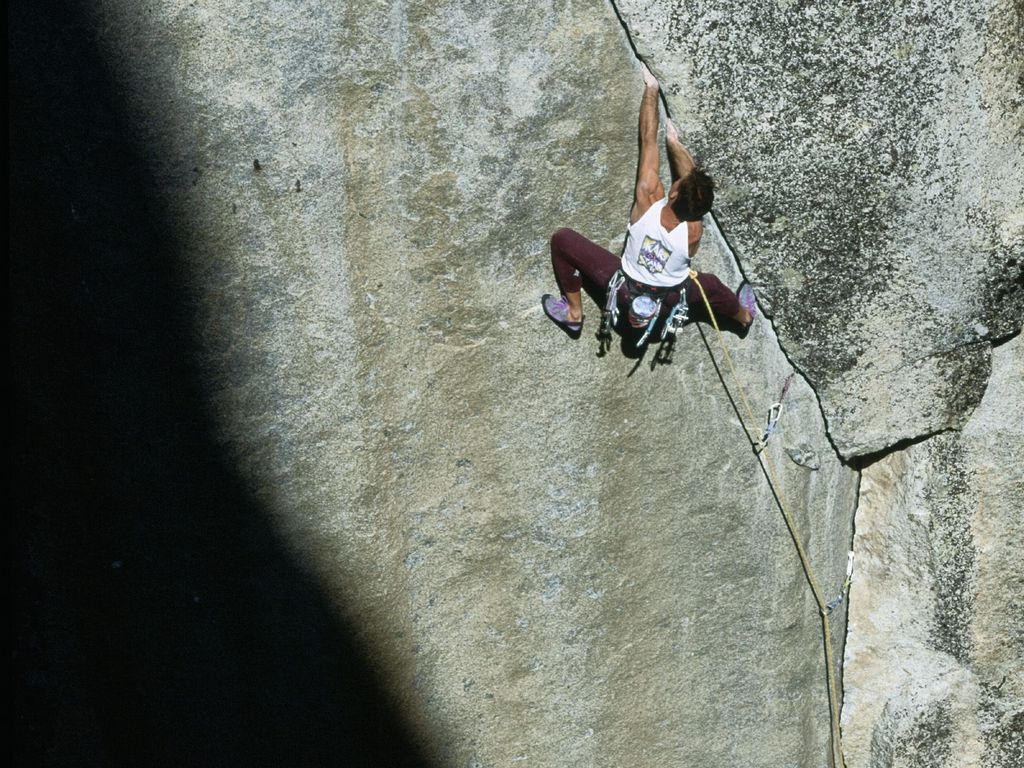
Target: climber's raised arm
649, 188
652, 276
680, 161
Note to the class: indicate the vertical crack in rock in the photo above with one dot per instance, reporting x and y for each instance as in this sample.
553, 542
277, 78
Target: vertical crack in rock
727, 246
834, 663
883, 396
838, 136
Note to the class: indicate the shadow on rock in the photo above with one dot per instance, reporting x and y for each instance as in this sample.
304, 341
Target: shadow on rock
158, 618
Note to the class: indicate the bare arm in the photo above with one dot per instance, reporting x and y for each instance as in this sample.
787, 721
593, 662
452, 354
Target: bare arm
648, 186
680, 161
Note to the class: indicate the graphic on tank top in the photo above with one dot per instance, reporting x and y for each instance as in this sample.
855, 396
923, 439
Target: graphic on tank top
653, 255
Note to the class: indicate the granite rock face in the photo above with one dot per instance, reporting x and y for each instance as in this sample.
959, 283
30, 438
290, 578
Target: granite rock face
871, 172
935, 659
549, 557
871, 183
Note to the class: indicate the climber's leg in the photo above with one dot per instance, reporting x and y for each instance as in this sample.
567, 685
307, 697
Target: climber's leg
724, 303
573, 258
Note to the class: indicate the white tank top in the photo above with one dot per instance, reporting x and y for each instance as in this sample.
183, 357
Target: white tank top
654, 255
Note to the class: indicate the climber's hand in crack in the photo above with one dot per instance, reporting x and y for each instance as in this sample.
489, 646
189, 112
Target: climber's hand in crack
679, 159
671, 134
650, 81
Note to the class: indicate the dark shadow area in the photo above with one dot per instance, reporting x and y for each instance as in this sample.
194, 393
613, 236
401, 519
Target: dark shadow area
158, 619
863, 461
998, 342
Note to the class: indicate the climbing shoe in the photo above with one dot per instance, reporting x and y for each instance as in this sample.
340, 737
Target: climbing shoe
748, 301
558, 311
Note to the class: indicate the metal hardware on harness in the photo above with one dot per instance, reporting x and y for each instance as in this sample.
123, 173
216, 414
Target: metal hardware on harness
610, 313
678, 315
651, 324
610, 316
611, 301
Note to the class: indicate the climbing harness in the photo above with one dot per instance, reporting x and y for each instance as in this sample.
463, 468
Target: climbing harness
644, 306
774, 413
769, 469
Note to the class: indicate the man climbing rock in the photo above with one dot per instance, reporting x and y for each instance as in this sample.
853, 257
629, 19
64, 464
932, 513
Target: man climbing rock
664, 232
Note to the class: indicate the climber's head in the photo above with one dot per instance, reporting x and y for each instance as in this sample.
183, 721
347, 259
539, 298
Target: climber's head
691, 196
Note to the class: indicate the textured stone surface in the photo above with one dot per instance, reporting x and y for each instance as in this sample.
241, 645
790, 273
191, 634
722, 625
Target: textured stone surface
935, 655
548, 560
871, 168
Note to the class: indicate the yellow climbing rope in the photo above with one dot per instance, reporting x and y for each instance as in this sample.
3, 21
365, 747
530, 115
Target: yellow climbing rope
823, 609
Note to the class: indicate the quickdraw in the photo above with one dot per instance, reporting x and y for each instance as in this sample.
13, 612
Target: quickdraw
774, 413
835, 603
610, 313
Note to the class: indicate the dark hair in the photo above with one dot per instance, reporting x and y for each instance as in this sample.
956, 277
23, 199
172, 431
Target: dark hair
696, 194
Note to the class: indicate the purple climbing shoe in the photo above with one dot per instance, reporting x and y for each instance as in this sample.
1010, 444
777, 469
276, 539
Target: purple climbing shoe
747, 299
558, 311
749, 302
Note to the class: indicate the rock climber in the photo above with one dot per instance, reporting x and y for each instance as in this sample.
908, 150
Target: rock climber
663, 234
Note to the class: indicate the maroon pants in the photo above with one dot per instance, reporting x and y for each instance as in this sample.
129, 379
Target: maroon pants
574, 257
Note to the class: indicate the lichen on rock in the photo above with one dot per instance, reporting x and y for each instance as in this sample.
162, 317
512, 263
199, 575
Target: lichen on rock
871, 185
